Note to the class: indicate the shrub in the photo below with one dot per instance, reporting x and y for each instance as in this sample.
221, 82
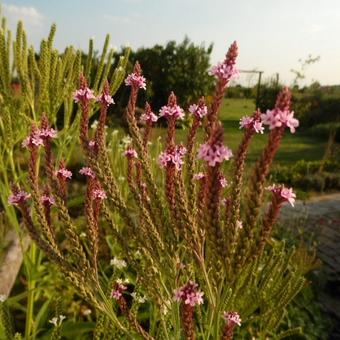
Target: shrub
183, 247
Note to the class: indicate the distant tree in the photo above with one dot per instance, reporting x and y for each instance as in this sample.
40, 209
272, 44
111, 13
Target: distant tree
182, 68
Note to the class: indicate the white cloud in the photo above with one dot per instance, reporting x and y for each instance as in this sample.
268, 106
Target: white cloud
127, 20
28, 14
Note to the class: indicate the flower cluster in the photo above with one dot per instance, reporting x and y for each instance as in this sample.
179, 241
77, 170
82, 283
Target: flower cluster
169, 111
63, 173
277, 118
283, 194
174, 157
130, 152
136, 80
83, 94
18, 196
57, 320
199, 111
105, 99
47, 200
118, 291
148, 117
88, 172
232, 317
116, 262
227, 69
247, 122
189, 294
215, 153
98, 194
198, 176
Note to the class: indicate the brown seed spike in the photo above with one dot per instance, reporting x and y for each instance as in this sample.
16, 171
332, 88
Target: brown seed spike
82, 82
172, 101
283, 101
137, 69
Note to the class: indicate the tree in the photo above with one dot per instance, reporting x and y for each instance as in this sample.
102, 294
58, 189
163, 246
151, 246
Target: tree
181, 68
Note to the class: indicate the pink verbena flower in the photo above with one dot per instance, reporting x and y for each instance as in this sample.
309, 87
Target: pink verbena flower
250, 123
33, 140
136, 80
148, 118
47, 133
213, 154
277, 118
198, 111
105, 99
232, 317
98, 194
239, 224
169, 111
82, 95
18, 196
86, 171
283, 194
118, 291
92, 144
223, 182
63, 173
199, 176
47, 200
174, 157
224, 71
189, 294
130, 152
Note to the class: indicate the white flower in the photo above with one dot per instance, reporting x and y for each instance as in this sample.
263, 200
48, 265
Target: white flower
3, 297
118, 263
126, 140
57, 320
82, 234
139, 298
94, 124
86, 312
239, 224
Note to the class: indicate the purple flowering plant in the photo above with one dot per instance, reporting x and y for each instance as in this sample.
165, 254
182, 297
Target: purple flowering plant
194, 239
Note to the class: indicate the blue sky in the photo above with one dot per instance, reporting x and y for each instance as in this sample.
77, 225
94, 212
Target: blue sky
272, 35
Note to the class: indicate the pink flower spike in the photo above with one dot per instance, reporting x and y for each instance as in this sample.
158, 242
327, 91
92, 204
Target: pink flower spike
214, 153
99, 194
83, 95
223, 182
189, 294
19, 196
148, 118
47, 200
86, 171
63, 173
283, 194
246, 122
130, 153
198, 111
198, 176
224, 71
105, 99
118, 291
257, 125
48, 133
135, 80
232, 317
33, 140
276, 118
174, 157
171, 111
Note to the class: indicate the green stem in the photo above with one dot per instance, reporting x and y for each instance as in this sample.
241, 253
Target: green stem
30, 297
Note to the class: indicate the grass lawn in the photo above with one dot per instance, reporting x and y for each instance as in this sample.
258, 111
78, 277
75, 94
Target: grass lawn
294, 147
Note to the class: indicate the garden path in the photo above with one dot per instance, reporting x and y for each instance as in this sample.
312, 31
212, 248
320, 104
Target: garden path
319, 220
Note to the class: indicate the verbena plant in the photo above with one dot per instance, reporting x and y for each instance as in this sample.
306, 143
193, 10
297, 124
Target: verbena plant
193, 255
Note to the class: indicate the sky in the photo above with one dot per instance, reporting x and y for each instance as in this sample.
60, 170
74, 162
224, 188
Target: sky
273, 35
